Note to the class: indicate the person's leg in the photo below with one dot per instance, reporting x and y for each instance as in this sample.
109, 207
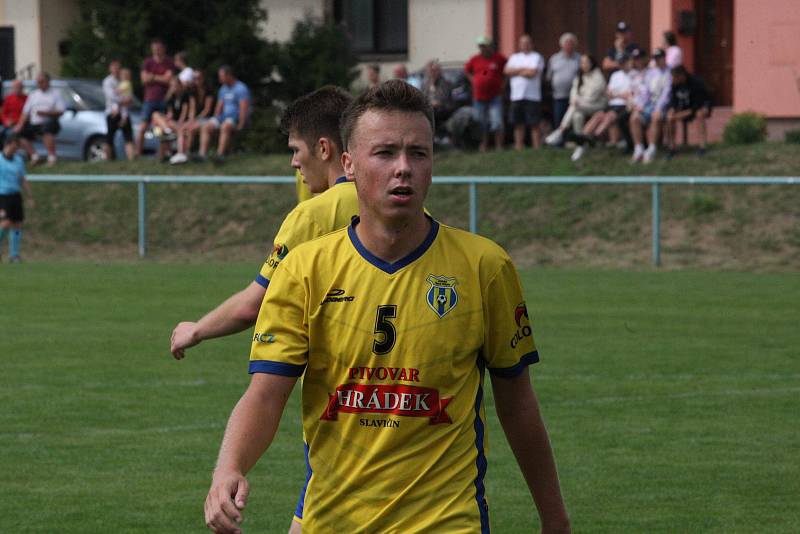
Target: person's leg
225, 134
594, 121
519, 136
496, 122
654, 131
4, 227
49, 141
14, 241
701, 116
481, 110
111, 131
205, 137
670, 123
637, 133
560, 106
140, 136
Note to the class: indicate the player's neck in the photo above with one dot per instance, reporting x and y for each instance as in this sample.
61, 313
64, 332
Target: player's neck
334, 173
392, 240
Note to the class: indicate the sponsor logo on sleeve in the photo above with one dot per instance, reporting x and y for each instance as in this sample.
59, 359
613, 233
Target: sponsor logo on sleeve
263, 338
279, 251
442, 296
523, 325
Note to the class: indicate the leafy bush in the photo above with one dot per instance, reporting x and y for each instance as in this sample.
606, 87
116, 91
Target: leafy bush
745, 128
793, 136
263, 135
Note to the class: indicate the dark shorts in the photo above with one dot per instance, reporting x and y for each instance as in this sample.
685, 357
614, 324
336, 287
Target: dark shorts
34, 131
527, 112
11, 208
148, 108
620, 110
112, 125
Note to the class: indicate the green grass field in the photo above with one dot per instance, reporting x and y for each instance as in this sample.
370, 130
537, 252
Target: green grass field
671, 399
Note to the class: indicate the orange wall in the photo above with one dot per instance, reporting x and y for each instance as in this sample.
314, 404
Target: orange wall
511, 24
766, 61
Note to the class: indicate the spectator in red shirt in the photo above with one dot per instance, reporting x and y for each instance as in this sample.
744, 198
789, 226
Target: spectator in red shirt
156, 73
485, 73
12, 110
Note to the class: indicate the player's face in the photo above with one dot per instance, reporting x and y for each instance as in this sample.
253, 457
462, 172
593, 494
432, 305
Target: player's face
390, 158
304, 159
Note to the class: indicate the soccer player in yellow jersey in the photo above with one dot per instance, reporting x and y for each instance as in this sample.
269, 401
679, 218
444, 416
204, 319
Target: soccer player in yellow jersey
394, 322
312, 123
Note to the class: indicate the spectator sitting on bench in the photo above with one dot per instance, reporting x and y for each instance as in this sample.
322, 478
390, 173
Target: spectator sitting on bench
689, 100
40, 117
169, 126
231, 114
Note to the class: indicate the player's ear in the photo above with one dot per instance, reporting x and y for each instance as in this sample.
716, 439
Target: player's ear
347, 165
324, 148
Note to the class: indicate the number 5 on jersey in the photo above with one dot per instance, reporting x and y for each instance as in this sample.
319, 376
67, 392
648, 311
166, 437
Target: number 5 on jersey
385, 333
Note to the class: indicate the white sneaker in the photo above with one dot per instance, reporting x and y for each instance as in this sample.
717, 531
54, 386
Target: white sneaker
554, 138
649, 154
178, 158
35, 158
51, 160
638, 152
578, 154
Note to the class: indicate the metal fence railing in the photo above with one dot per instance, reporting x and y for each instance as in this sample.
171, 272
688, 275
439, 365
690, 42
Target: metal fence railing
471, 181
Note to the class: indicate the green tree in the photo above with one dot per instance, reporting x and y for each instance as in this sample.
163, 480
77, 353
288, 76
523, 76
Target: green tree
317, 54
214, 32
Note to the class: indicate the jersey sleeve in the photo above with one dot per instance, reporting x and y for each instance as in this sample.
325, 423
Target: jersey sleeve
280, 340
296, 228
508, 345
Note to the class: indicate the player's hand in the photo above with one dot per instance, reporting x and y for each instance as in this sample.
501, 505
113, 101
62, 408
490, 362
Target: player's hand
183, 337
225, 500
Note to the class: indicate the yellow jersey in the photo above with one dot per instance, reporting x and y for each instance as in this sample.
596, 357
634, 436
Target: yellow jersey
302, 189
317, 216
394, 357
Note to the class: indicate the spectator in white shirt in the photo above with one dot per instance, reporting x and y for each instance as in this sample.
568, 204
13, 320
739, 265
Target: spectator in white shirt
525, 70
40, 117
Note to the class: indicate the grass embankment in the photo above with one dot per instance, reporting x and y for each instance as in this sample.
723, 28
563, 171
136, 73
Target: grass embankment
671, 401
737, 227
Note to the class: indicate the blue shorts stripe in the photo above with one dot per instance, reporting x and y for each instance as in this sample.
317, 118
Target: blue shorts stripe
480, 462
298, 512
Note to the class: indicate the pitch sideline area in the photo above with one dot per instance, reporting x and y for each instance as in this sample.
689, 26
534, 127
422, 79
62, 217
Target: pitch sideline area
671, 398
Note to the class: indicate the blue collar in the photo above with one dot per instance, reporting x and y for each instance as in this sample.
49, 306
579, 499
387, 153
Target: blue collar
391, 268
341, 180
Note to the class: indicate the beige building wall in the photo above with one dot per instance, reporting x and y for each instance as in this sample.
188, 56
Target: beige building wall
23, 16
444, 29
56, 18
283, 15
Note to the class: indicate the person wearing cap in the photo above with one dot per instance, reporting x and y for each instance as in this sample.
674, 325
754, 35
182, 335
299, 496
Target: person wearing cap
485, 73
562, 68
650, 108
623, 46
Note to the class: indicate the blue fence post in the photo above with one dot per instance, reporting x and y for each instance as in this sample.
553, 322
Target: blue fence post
656, 225
142, 221
473, 207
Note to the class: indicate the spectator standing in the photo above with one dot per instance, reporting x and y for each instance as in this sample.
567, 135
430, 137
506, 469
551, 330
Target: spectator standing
562, 68
231, 114
586, 98
485, 73
650, 108
12, 183
40, 117
623, 46
12, 109
439, 93
116, 115
525, 71
157, 71
674, 54
689, 100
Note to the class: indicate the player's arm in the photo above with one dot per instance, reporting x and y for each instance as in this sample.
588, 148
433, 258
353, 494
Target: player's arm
238, 312
518, 411
251, 428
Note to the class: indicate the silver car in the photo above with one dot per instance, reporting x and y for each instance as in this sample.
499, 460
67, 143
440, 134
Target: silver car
83, 124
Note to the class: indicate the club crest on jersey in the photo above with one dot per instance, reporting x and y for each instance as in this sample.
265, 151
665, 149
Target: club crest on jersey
442, 296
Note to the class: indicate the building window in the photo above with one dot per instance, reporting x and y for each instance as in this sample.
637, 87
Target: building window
375, 26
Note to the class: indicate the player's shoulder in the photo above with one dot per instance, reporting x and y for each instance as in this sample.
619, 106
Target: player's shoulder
480, 249
326, 245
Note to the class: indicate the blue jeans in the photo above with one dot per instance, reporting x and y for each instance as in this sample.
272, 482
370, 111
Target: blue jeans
560, 106
489, 114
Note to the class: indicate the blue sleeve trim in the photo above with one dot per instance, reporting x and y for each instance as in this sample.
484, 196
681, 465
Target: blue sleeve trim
276, 368
263, 282
511, 372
